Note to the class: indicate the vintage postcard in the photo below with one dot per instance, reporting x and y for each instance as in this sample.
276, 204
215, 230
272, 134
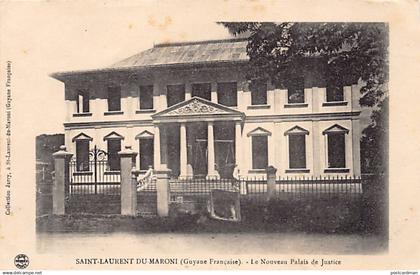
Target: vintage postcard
209, 135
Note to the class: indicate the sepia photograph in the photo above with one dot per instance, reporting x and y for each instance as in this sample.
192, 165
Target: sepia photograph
169, 135
279, 128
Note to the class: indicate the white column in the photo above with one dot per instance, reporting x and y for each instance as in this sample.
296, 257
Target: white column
355, 96
163, 96
156, 99
238, 139
211, 172
188, 91
317, 149
156, 141
214, 92
355, 132
316, 99
183, 150
163, 149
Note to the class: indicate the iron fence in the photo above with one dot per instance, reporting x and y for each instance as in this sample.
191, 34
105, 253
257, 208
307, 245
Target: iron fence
305, 188
256, 189
95, 180
147, 198
198, 190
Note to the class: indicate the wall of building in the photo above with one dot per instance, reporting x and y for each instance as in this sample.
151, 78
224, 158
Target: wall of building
276, 117
316, 144
315, 97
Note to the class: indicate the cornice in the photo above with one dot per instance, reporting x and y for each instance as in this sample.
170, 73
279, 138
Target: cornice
257, 118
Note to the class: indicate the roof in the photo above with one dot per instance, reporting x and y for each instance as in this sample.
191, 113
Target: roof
188, 52
173, 54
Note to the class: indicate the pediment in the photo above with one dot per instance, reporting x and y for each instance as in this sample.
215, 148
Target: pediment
81, 136
259, 132
296, 130
335, 129
196, 106
113, 135
144, 134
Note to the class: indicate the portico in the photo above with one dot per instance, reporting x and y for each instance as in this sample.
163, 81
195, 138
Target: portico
198, 138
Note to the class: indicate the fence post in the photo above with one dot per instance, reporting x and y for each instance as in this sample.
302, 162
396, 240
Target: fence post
61, 179
271, 182
128, 188
162, 188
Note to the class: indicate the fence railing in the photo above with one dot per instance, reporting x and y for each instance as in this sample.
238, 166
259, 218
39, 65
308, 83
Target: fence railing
198, 190
97, 179
256, 189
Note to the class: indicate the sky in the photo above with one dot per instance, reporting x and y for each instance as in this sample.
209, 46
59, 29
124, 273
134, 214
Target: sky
41, 37
45, 37
81, 38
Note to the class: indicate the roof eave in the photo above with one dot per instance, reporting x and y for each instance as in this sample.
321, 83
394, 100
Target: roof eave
61, 76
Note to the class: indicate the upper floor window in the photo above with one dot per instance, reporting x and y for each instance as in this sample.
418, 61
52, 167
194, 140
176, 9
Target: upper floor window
175, 94
202, 90
334, 92
146, 97
113, 147
82, 102
259, 140
114, 99
82, 151
336, 146
258, 93
297, 147
227, 93
296, 91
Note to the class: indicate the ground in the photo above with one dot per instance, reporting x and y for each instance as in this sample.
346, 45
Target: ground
195, 234
212, 243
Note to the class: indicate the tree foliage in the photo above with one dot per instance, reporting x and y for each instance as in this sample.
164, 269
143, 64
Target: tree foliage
375, 141
352, 52
46, 145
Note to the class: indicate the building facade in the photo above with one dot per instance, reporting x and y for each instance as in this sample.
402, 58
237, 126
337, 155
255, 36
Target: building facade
189, 107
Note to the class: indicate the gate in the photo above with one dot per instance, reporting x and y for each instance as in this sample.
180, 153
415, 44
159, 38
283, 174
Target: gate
93, 187
146, 193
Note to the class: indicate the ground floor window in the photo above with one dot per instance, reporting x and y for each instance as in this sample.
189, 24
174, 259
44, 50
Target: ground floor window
114, 146
82, 155
336, 150
336, 146
297, 151
259, 152
146, 153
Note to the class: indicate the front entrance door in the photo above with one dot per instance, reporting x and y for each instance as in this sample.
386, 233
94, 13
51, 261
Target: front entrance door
173, 143
198, 147
200, 158
225, 158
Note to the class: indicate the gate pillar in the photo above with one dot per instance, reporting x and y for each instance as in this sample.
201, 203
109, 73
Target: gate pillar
271, 182
162, 188
61, 180
128, 186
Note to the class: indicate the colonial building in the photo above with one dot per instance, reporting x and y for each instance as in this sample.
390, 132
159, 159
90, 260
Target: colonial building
189, 107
